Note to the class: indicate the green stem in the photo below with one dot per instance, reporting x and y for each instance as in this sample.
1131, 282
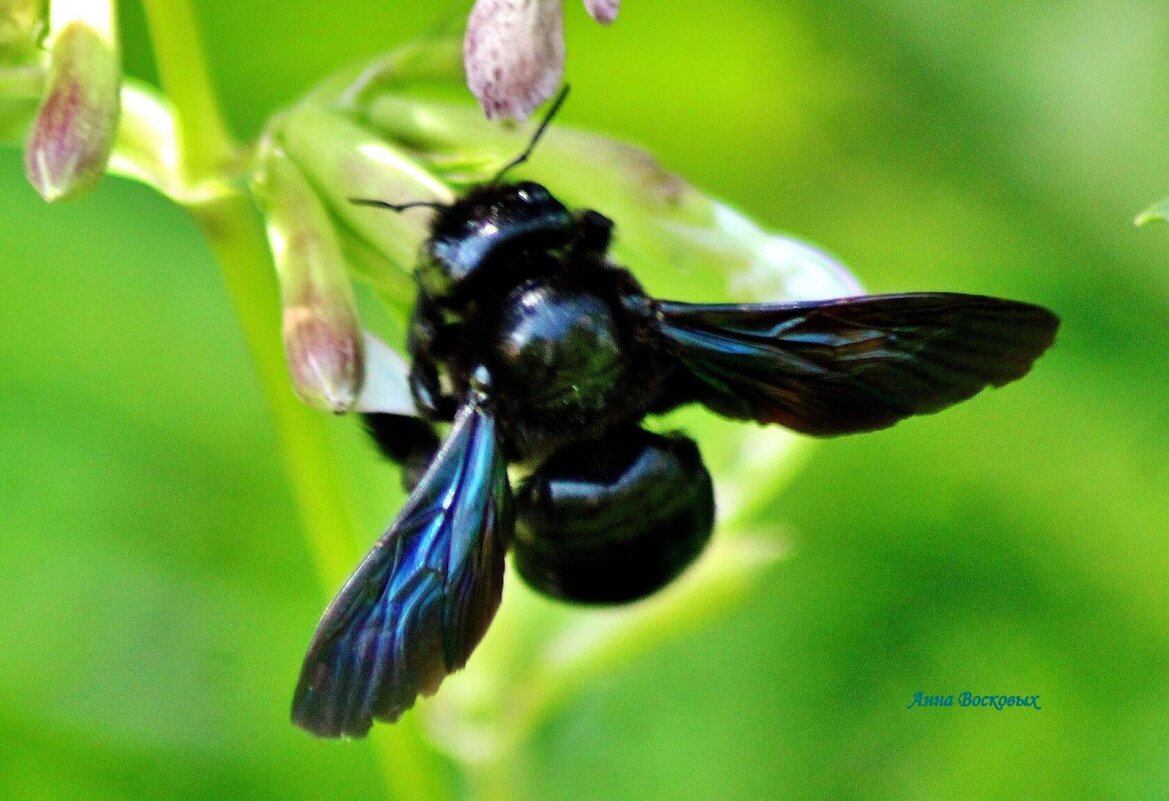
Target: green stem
236, 236
206, 143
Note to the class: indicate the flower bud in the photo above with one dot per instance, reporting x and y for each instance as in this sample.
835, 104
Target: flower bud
73, 133
603, 11
322, 333
514, 54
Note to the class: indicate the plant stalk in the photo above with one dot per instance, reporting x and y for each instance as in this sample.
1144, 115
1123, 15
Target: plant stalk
235, 234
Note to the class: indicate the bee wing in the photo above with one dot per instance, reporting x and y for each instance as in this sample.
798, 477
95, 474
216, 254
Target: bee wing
422, 599
853, 364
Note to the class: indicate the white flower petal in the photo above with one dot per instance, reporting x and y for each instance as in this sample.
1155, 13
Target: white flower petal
387, 384
779, 267
514, 54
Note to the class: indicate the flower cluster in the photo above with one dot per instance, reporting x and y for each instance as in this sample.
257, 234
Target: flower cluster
60, 69
357, 136
360, 137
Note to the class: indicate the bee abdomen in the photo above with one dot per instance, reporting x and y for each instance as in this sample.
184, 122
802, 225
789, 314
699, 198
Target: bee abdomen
613, 520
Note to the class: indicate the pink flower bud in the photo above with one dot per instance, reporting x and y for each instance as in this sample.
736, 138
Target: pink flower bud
514, 54
603, 11
324, 358
73, 133
322, 331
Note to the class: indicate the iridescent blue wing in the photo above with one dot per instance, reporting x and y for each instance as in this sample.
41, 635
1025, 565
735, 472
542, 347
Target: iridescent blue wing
853, 364
422, 599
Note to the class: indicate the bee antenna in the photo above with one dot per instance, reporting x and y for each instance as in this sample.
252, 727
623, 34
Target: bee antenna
383, 204
543, 127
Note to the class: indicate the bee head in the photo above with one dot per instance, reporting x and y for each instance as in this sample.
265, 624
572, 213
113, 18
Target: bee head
487, 234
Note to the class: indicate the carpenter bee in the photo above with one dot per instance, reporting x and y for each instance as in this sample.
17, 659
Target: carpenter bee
543, 354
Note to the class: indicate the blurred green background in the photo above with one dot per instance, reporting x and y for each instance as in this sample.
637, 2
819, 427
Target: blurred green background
157, 596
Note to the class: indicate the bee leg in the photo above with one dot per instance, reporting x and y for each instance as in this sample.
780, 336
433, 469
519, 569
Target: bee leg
429, 343
406, 441
613, 520
426, 390
594, 233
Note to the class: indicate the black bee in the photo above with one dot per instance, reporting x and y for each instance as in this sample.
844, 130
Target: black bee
543, 354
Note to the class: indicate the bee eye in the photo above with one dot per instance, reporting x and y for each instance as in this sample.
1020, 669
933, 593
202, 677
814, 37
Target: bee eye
532, 193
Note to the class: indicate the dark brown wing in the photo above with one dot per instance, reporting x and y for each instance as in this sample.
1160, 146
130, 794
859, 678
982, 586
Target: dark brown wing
853, 364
